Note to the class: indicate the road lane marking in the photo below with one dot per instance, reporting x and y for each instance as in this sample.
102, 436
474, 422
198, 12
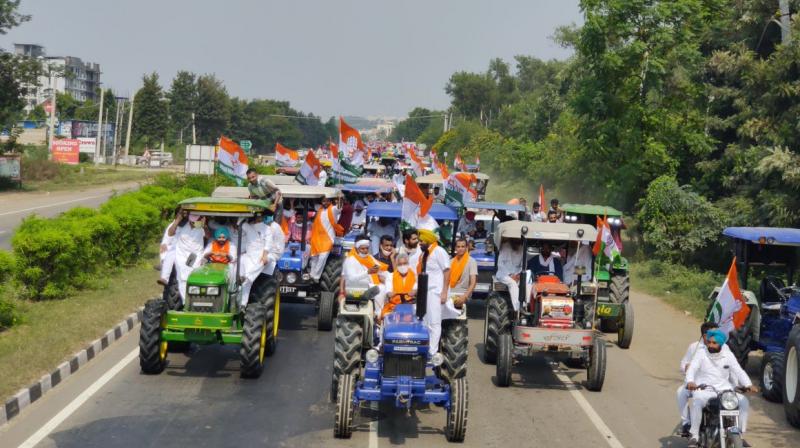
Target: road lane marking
15, 212
598, 422
73, 406
373, 425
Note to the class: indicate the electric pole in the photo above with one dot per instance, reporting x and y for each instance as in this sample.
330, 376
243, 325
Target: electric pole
52, 128
194, 131
99, 128
130, 122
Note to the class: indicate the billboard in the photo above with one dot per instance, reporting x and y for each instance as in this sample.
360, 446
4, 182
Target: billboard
199, 159
66, 151
9, 167
88, 144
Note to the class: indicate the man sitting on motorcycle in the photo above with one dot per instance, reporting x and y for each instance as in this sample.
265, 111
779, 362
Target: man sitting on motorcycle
718, 369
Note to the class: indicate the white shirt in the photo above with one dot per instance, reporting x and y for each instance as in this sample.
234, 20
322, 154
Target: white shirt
693, 348
465, 226
358, 219
509, 261
189, 240
389, 282
720, 370
167, 240
438, 262
538, 217
583, 258
277, 241
356, 275
323, 178
256, 238
376, 231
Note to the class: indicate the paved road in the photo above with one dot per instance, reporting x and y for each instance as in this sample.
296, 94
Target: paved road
14, 207
200, 401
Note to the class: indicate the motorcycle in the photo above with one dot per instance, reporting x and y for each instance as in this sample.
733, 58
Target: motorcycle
719, 427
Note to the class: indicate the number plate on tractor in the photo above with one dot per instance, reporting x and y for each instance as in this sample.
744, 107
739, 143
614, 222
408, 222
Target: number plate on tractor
608, 309
288, 289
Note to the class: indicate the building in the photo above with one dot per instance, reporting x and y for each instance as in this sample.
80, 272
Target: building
65, 74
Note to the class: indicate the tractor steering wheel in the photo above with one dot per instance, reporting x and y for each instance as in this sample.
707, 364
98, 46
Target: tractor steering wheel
541, 273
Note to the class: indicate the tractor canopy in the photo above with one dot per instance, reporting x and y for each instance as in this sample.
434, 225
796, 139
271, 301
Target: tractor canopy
225, 201
588, 214
543, 231
280, 179
439, 212
772, 247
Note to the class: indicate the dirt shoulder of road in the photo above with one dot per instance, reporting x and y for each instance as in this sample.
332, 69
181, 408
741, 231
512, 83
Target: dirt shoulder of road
52, 331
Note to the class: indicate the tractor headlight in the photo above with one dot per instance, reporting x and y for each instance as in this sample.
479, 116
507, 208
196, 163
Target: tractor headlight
291, 277
194, 290
212, 290
306, 277
372, 356
437, 359
729, 400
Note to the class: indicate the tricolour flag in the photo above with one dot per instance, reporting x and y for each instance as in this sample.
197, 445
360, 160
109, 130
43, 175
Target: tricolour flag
730, 309
417, 165
348, 156
478, 161
285, 156
416, 207
541, 197
310, 170
231, 160
342, 171
443, 170
605, 241
459, 188
458, 162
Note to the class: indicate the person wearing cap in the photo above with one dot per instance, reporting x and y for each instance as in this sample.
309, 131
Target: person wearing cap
256, 237
189, 236
362, 270
466, 225
359, 215
720, 370
166, 252
438, 270
324, 231
220, 249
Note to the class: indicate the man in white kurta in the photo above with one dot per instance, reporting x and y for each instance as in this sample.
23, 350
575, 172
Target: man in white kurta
255, 239
438, 305
581, 256
509, 267
275, 246
188, 247
166, 254
362, 270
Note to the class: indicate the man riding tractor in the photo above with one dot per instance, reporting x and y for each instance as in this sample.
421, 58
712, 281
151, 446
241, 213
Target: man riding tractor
215, 307
544, 315
613, 276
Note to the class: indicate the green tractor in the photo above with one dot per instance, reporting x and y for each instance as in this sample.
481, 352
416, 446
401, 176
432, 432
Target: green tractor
613, 277
211, 314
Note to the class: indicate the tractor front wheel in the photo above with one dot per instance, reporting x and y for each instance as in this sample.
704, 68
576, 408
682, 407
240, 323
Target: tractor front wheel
596, 370
264, 288
152, 350
254, 339
456, 428
172, 293
343, 423
791, 376
326, 310
347, 348
454, 349
625, 325
496, 323
772, 370
504, 360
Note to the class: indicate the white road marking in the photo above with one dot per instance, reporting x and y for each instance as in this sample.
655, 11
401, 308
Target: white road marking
598, 422
373, 425
73, 406
15, 212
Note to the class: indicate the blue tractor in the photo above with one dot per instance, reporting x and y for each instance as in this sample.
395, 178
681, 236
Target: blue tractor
359, 192
402, 371
773, 325
484, 252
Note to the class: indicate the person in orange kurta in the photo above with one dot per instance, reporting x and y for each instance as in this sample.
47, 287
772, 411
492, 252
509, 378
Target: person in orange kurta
323, 232
401, 286
220, 249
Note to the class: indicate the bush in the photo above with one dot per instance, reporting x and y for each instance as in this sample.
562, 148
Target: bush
8, 314
7, 265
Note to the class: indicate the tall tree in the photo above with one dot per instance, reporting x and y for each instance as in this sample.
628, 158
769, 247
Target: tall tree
213, 109
150, 112
182, 97
15, 71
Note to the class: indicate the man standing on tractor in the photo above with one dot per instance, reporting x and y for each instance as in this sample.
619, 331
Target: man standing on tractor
463, 273
323, 232
264, 189
189, 236
411, 246
360, 269
276, 243
438, 269
555, 208
166, 252
256, 237
509, 267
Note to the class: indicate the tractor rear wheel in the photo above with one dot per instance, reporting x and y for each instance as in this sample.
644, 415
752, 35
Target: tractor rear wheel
791, 376
740, 341
456, 428
496, 322
619, 291
325, 313
772, 370
264, 288
625, 325
329, 280
504, 360
343, 423
152, 350
454, 348
254, 339
596, 370
347, 348
271, 311
172, 293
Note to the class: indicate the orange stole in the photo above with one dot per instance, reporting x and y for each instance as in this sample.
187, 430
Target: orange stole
457, 268
369, 262
430, 252
401, 287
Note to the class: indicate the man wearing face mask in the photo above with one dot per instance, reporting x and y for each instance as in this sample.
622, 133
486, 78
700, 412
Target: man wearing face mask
275, 244
361, 270
379, 228
546, 263
386, 252
400, 286
189, 235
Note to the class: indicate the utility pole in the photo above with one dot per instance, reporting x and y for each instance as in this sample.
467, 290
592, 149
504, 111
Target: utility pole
52, 127
786, 25
194, 131
97, 148
120, 112
130, 121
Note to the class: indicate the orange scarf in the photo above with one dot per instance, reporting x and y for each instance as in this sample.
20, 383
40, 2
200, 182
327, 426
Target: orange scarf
457, 268
369, 262
401, 288
321, 241
285, 226
219, 252
430, 252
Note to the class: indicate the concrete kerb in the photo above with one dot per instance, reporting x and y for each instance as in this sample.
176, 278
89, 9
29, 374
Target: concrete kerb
22, 399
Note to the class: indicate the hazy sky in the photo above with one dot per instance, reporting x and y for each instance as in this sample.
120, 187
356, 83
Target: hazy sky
329, 57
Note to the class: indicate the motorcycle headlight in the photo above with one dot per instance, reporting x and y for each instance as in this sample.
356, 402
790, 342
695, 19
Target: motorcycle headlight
372, 355
437, 359
212, 290
729, 401
291, 277
194, 290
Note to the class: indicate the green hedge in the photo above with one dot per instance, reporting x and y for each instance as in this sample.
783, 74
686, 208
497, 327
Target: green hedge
58, 256
8, 311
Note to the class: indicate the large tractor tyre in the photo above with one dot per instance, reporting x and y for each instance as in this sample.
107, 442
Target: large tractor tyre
596, 370
791, 376
454, 348
619, 291
264, 289
504, 360
271, 322
497, 322
329, 280
254, 339
152, 350
172, 293
625, 325
771, 380
741, 340
456, 428
343, 421
347, 347
327, 305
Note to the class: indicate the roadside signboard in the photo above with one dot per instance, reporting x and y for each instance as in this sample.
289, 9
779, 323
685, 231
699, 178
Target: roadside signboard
66, 151
199, 159
87, 144
9, 167
247, 145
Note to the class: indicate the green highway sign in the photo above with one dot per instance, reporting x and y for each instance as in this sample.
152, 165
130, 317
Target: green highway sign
247, 145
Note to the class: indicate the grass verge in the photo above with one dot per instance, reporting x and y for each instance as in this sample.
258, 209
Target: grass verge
682, 287
53, 330
86, 176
